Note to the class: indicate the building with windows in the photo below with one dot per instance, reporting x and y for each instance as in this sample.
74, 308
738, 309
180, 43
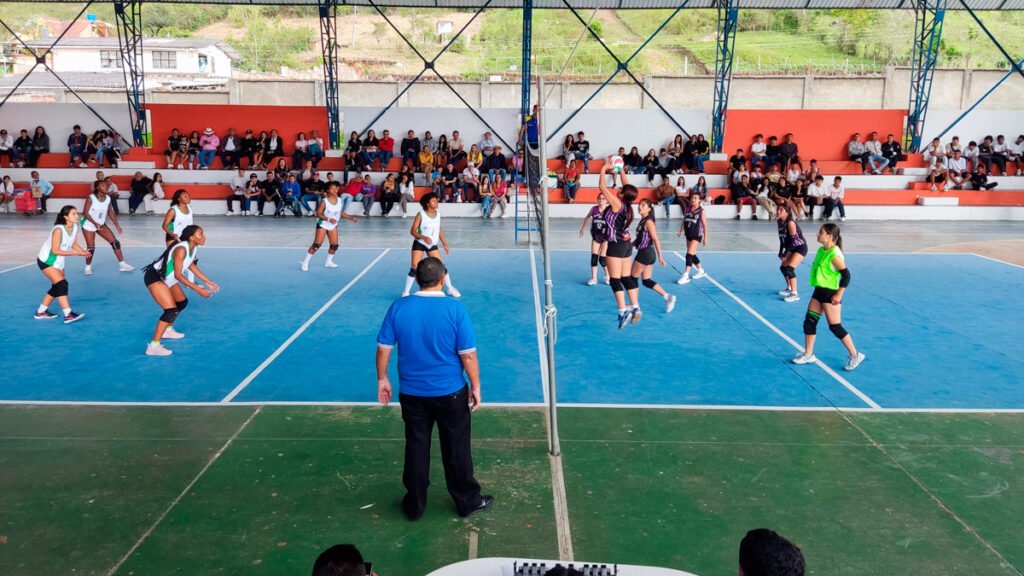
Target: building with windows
173, 59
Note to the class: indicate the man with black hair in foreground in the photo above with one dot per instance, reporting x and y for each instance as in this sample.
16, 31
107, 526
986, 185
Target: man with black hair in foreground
765, 553
341, 560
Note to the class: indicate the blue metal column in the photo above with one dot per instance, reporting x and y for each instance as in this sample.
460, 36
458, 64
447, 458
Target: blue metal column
728, 13
329, 46
129, 37
524, 224
928, 33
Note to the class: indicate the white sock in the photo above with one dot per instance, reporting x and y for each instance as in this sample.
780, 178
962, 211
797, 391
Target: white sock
408, 283
330, 258
41, 309
622, 311
306, 259
667, 296
66, 311
448, 281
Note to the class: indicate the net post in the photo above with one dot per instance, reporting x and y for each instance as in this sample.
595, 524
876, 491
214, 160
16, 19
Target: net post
550, 312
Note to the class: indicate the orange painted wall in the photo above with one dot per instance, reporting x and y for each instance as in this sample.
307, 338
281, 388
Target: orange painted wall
820, 134
288, 120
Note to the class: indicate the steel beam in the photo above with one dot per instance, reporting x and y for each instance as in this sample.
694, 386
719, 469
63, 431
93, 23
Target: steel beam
728, 12
927, 35
129, 39
524, 224
328, 10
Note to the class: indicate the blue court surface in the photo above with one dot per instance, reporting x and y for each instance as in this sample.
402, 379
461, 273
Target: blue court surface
941, 332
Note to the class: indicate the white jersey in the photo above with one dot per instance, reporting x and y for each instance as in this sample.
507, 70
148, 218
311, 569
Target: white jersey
430, 227
67, 242
180, 221
168, 272
330, 211
98, 212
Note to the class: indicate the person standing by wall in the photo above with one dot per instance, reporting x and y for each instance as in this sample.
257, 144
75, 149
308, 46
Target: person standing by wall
436, 346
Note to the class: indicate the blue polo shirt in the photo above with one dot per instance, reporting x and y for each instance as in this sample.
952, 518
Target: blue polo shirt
430, 331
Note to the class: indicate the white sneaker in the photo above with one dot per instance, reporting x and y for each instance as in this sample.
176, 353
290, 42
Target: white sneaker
635, 315
684, 279
229, 213
180, 166
83, 165
404, 215
793, 297
785, 292
330, 264
802, 358
453, 292
305, 265
934, 187
842, 218
592, 282
854, 361
670, 303
125, 267
157, 350
172, 334
88, 270
700, 274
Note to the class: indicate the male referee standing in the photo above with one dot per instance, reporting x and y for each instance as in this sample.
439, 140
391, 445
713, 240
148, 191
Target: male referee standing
435, 345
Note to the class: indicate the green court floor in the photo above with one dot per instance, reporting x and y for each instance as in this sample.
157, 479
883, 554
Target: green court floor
85, 490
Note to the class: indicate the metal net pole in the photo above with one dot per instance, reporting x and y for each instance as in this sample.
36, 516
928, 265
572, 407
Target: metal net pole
550, 312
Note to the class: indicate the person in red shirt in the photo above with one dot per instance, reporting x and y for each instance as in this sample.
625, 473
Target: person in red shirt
353, 191
387, 149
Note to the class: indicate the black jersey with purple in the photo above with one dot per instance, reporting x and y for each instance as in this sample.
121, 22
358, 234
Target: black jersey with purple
643, 237
598, 226
693, 223
617, 223
788, 242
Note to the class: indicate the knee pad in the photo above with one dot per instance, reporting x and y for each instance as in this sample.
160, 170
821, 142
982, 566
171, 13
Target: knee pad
116, 244
689, 259
630, 282
838, 330
412, 272
788, 271
696, 259
334, 248
169, 315
811, 322
650, 283
594, 259
59, 289
92, 250
616, 284
602, 261
181, 305
314, 246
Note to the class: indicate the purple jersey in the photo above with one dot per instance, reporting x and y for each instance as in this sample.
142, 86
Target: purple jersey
618, 223
693, 222
787, 242
598, 225
643, 236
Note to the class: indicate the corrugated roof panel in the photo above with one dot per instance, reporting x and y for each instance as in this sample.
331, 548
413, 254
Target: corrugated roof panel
607, 4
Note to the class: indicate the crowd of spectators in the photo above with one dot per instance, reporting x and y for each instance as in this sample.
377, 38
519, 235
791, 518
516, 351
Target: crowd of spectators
198, 151
969, 167
24, 151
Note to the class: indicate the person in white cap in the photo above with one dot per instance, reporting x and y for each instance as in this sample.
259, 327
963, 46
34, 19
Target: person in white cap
208, 144
470, 183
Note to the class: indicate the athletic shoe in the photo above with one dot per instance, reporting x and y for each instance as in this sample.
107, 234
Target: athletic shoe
453, 292
624, 318
753, 217
793, 297
180, 166
737, 217
88, 270
83, 165
330, 264
73, 317
842, 218
305, 266
157, 350
404, 215
46, 315
670, 303
684, 279
607, 280
934, 187
854, 361
229, 213
700, 274
785, 292
802, 358
125, 267
635, 315
172, 334
592, 282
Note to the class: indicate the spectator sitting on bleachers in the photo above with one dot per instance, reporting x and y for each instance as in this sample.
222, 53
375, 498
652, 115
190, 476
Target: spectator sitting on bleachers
258, 155
386, 149
892, 151
758, 152
569, 149
108, 149
487, 145
774, 153
756, 178
271, 188
934, 153
449, 180
389, 193
345, 560
368, 194
315, 148
500, 188
700, 188
40, 146
291, 194
649, 165
140, 186
6, 192
41, 190
76, 147
953, 146
736, 161
876, 160
230, 150
443, 151
410, 149
312, 189
765, 553
6, 148
174, 154
957, 170
92, 147
581, 151
495, 164
306, 171
788, 149
834, 199
281, 170
1001, 150
274, 147
761, 198
971, 155
470, 181
979, 180
425, 160
370, 147
937, 174
475, 155
664, 168
795, 172
428, 142
570, 182
22, 149
665, 194
987, 156
299, 154
675, 151
486, 197
209, 142
237, 188
253, 192
456, 148
742, 194
407, 190
352, 191
633, 162
812, 172
857, 152
247, 146
1015, 154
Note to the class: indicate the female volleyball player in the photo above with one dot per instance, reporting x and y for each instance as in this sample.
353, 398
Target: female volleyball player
695, 228
648, 250
164, 278
178, 217
792, 249
61, 242
830, 278
97, 211
427, 232
598, 239
618, 216
328, 214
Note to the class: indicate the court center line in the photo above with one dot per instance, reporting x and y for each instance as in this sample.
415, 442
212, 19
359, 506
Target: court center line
864, 397
994, 259
15, 268
145, 535
280, 349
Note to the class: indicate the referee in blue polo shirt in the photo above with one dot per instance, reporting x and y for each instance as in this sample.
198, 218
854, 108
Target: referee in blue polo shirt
435, 346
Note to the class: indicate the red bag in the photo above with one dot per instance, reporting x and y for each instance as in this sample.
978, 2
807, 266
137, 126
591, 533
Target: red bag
24, 202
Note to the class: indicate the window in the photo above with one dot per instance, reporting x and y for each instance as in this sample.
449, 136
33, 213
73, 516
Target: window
165, 59
110, 59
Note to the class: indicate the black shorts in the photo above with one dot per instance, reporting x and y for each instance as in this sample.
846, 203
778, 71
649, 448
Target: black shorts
600, 239
823, 295
694, 237
42, 265
801, 250
620, 249
416, 245
151, 276
169, 238
646, 256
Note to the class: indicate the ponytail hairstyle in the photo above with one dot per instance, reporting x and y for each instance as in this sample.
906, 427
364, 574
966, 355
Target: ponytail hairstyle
62, 216
628, 195
787, 206
185, 235
833, 231
176, 199
650, 206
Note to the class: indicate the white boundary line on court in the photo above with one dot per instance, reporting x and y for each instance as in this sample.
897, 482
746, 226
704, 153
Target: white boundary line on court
995, 259
15, 268
113, 569
280, 349
792, 342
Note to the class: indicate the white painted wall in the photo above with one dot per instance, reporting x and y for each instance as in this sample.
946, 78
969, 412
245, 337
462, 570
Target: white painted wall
58, 119
975, 126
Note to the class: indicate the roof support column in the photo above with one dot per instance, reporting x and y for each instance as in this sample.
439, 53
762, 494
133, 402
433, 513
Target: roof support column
927, 35
329, 47
728, 12
129, 39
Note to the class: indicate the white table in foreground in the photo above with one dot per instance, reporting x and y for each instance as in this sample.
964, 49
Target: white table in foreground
504, 567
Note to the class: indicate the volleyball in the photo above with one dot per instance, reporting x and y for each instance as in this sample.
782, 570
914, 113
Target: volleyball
616, 162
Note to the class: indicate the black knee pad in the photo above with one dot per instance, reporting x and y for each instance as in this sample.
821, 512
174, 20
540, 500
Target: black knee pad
811, 322
181, 305
602, 261
594, 259
412, 272
334, 248
59, 289
689, 259
630, 282
314, 246
838, 330
92, 250
696, 260
169, 315
788, 271
650, 283
116, 244
616, 284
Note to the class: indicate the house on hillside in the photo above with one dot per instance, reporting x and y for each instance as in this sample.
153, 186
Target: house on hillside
90, 27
